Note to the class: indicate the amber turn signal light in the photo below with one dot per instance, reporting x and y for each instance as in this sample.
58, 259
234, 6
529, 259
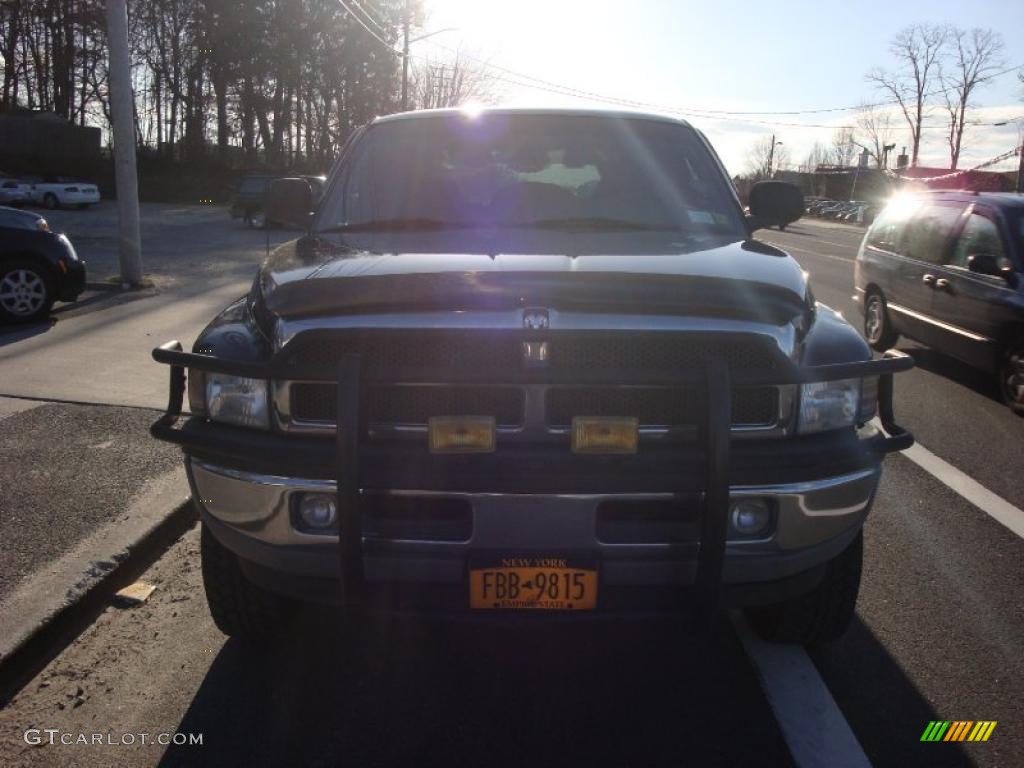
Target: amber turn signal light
605, 434
461, 434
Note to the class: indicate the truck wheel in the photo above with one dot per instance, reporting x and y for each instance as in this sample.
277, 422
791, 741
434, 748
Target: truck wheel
26, 291
878, 328
1011, 376
239, 608
821, 615
50, 201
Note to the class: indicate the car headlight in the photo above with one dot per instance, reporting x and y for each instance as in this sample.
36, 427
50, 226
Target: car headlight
828, 405
230, 399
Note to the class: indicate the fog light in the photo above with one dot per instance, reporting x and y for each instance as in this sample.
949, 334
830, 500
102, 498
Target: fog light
461, 434
750, 517
605, 434
318, 510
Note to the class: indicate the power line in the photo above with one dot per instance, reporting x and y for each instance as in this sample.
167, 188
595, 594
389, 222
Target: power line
698, 110
369, 17
372, 34
529, 81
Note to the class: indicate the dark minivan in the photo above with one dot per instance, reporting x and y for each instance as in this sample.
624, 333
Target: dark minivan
247, 201
946, 269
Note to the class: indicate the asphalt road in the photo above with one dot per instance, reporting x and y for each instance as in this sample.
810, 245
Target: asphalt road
938, 636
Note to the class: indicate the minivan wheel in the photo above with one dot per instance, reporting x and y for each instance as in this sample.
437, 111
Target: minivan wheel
239, 608
26, 291
877, 328
50, 201
1011, 377
821, 615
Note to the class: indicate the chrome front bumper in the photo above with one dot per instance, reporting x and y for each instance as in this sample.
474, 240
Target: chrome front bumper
814, 522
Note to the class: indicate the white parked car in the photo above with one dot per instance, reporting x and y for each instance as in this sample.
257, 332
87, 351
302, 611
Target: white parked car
64, 192
15, 192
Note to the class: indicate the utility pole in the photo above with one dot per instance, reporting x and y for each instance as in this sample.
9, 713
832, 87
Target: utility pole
771, 156
122, 107
1020, 169
405, 58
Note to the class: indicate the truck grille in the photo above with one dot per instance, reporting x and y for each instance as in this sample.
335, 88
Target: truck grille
657, 406
496, 352
424, 358
412, 404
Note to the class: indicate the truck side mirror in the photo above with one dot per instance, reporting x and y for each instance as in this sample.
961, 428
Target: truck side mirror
775, 203
289, 202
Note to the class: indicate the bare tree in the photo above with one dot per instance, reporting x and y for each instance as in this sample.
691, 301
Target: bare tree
844, 146
917, 50
765, 157
453, 82
819, 155
974, 56
876, 131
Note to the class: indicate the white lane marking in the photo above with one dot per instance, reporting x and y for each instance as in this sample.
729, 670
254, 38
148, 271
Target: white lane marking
996, 507
810, 253
815, 731
855, 245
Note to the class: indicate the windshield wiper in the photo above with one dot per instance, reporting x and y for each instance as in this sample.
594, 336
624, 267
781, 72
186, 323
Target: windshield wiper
595, 223
580, 223
395, 225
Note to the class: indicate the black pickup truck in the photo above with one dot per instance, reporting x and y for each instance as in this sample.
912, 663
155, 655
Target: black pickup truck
527, 363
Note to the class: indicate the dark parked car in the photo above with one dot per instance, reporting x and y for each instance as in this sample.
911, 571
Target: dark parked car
945, 269
37, 267
532, 361
247, 202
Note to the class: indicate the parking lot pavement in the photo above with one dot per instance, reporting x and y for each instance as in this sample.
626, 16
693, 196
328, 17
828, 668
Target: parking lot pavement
97, 350
179, 242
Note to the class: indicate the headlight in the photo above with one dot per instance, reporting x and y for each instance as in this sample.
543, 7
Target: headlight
236, 400
828, 405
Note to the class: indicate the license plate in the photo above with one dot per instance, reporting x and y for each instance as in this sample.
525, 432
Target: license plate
525, 584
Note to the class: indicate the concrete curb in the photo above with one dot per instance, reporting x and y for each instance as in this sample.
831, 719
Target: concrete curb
48, 610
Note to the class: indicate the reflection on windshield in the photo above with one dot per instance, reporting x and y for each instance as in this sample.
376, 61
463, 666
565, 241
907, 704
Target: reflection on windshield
553, 173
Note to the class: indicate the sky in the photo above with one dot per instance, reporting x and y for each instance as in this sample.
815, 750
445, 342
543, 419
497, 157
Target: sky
726, 55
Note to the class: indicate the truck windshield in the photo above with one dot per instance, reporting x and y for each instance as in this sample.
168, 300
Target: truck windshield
528, 182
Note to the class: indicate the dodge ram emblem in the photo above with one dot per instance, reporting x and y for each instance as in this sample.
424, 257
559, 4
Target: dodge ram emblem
535, 319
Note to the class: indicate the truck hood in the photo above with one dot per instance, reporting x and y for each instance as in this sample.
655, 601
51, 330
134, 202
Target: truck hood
749, 279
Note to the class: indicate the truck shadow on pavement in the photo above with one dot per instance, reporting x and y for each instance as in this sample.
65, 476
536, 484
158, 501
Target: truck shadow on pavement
11, 334
950, 368
413, 693
886, 711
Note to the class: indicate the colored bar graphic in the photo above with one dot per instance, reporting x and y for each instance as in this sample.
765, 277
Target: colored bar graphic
958, 730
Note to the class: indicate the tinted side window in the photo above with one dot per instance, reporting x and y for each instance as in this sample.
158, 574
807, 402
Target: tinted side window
888, 228
980, 235
927, 235
252, 186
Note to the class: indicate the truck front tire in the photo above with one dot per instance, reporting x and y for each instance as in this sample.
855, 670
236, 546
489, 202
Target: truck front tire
239, 608
821, 615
